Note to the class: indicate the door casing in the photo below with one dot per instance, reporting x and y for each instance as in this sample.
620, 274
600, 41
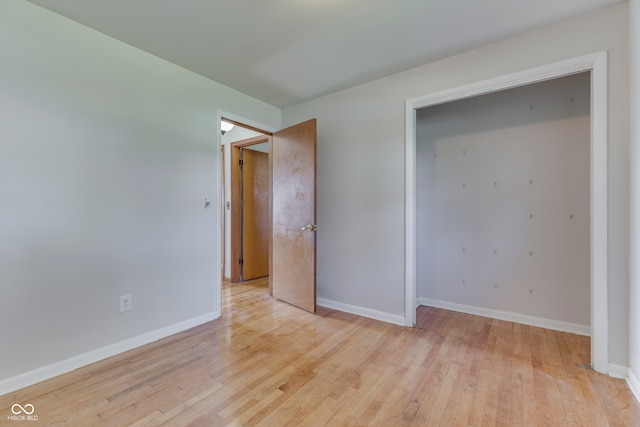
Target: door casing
596, 63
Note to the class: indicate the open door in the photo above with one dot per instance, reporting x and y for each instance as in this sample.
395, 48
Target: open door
293, 233
255, 214
246, 240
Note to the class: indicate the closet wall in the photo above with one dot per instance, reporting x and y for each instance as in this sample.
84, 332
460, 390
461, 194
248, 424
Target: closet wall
503, 202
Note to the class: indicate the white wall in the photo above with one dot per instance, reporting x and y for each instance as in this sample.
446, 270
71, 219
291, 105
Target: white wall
106, 156
503, 202
634, 297
361, 162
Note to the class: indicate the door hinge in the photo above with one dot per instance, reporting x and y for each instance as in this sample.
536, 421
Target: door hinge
241, 162
241, 261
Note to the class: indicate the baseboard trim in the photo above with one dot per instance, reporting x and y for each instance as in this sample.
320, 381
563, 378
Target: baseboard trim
618, 371
634, 384
509, 316
41, 374
361, 311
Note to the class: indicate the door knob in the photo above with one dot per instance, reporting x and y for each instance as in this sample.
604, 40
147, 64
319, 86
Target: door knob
310, 227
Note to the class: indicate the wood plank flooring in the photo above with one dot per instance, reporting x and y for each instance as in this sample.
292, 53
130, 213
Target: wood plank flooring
266, 363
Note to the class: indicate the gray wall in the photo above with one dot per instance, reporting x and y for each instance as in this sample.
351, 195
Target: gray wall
106, 156
503, 201
361, 162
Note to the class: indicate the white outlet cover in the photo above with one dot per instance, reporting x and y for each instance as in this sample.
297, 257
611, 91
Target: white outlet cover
125, 303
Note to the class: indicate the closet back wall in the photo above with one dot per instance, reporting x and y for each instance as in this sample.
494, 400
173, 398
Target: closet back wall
503, 202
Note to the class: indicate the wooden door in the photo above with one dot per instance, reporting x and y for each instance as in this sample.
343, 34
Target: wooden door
255, 214
236, 205
293, 237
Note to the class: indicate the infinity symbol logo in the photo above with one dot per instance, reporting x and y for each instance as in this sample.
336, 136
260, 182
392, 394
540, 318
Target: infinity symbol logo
17, 409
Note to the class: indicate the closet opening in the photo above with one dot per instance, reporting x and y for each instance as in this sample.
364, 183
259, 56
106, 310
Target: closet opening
506, 201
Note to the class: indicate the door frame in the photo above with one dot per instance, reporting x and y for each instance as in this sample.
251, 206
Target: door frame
223, 212
219, 226
595, 63
236, 200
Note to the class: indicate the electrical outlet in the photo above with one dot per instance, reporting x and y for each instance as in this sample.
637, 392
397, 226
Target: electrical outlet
125, 303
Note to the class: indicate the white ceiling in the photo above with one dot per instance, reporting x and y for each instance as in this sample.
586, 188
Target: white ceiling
287, 51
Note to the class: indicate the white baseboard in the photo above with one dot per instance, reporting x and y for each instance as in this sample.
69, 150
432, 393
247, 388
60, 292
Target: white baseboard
396, 319
634, 384
618, 371
32, 377
509, 316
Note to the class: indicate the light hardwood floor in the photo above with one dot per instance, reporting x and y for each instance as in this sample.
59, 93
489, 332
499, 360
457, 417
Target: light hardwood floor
266, 363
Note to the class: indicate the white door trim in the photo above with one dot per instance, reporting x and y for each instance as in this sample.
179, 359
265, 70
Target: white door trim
595, 63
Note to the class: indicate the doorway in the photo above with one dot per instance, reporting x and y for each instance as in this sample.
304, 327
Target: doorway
292, 215
236, 137
503, 204
250, 211
597, 65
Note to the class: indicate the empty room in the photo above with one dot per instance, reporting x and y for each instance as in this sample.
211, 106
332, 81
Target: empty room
449, 197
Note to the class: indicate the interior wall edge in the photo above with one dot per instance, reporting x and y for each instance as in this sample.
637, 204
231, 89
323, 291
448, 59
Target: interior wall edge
634, 198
